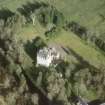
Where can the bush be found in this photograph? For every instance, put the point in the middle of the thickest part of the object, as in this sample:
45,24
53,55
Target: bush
49,14
77,29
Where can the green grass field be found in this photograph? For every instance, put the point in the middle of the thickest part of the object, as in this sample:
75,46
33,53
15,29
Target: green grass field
85,12
88,53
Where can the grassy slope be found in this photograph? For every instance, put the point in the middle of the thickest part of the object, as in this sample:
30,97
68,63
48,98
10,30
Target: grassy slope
12,4
85,12
88,53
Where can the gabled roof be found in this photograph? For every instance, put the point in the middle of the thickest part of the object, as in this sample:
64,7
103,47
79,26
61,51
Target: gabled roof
43,53
47,52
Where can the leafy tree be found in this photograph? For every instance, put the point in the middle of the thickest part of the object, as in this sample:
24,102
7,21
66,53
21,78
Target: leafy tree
10,48
77,29
47,15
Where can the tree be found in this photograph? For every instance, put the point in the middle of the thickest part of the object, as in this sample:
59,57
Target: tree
10,47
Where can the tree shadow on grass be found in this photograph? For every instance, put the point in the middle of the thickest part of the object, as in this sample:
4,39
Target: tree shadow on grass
5,13
84,63
32,47
29,7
